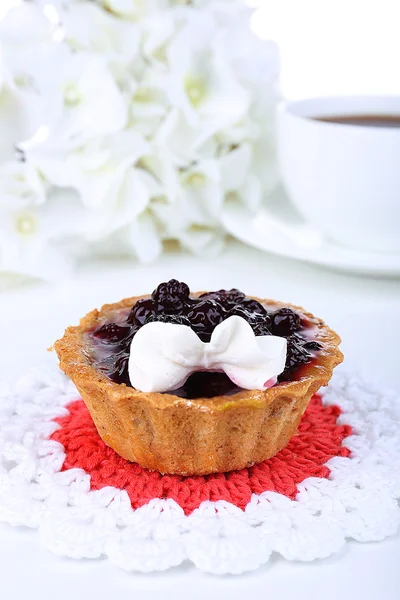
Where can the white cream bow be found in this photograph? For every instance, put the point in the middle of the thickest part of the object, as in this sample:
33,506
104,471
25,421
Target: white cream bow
163,355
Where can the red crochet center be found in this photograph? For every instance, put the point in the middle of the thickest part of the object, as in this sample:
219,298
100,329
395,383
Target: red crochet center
318,439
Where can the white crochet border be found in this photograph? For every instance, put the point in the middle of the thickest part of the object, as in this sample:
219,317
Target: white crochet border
358,501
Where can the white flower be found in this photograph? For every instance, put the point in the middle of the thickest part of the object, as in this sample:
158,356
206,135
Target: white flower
32,233
18,114
199,198
21,180
255,63
158,162
91,29
201,82
15,120
133,9
193,216
93,168
183,142
202,193
127,199
106,174
26,24
141,238
239,182
81,95
149,107
27,37
232,5
151,113
157,33
193,231
203,241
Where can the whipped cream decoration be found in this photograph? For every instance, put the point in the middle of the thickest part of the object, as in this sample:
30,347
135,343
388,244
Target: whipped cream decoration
164,355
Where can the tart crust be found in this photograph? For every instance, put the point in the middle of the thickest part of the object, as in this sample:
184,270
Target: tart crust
175,435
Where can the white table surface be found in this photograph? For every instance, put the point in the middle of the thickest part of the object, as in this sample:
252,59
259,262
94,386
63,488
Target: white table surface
365,311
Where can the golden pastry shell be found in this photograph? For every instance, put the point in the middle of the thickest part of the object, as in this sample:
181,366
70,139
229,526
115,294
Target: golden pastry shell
170,434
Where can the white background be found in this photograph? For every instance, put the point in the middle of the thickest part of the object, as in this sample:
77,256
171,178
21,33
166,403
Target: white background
334,46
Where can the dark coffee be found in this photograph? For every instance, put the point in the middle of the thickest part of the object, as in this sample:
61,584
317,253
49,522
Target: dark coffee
363,120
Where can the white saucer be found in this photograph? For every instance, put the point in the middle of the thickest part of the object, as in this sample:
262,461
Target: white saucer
281,231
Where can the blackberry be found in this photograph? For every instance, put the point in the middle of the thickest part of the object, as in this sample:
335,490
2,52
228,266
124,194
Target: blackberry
259,323
204,316
296,356
253,306
141,312
284,322
238,311
226,298
261,326
171,297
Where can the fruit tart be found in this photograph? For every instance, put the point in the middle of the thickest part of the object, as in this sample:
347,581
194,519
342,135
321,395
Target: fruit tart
197,383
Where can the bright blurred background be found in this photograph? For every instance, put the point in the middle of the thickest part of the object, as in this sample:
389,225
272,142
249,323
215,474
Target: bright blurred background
358,44
333,46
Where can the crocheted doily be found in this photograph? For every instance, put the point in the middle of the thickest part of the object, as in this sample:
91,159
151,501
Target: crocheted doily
339,478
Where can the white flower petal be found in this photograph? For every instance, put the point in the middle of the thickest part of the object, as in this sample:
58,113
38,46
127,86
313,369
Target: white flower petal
198,201
31,236
226,97
133,9
202,83
164,172
21,184
94,168
140,239
157,34
82,96
127,199
202,192
18,116
88,27
173,218
202,241
25,22
63,215
144,237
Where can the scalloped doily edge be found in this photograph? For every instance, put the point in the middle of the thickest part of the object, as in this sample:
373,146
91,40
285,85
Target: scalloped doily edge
359,501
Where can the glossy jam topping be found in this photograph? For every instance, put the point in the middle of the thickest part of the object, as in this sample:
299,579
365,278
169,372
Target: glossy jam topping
171,302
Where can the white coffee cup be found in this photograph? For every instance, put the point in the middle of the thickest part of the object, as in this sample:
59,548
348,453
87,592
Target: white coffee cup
344,179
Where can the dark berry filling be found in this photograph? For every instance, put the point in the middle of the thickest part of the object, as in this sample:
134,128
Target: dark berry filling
174,319
207,385
171,303
171,298
142,311
204,315
284,322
